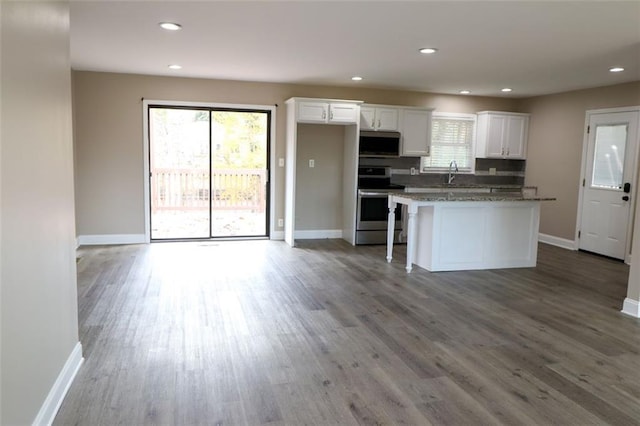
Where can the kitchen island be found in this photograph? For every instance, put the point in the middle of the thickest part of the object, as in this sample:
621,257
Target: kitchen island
452,231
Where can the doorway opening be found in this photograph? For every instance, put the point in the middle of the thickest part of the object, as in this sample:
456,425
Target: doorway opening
208,172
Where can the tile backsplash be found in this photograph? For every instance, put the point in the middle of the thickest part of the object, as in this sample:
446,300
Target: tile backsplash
508,172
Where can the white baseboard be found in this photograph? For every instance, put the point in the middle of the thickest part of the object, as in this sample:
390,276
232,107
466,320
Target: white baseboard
277,235
557,241
108,239
318,234
631,307
58,391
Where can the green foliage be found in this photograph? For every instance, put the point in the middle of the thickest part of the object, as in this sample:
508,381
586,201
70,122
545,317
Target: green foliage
181,139
239,140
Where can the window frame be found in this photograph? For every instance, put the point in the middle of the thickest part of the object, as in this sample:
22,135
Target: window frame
452,115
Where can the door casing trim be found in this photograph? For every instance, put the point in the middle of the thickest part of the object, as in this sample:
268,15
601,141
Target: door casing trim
146,141
634,178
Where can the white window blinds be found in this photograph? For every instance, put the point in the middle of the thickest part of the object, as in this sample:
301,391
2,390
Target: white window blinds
452,137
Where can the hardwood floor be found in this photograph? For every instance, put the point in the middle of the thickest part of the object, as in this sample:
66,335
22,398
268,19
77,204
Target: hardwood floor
256,332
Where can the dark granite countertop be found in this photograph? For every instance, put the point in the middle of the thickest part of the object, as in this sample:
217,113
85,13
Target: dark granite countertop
471,196
466,185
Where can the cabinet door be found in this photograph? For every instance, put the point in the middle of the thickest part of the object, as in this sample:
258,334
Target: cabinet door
386,119
313,112
416,133
516,137
367,118
495,136
343,113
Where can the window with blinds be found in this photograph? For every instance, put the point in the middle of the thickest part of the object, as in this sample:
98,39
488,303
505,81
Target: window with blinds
452,138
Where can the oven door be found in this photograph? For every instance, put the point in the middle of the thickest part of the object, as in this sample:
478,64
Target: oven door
373,212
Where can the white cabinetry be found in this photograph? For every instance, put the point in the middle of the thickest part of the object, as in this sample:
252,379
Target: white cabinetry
300,135
466,235
502,135
311,111
415,128
378,118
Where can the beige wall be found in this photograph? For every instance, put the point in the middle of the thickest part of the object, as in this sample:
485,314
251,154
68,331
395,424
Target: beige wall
554,158
108,133
38,268
319,189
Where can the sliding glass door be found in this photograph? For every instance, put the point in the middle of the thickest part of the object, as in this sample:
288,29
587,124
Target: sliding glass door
208,172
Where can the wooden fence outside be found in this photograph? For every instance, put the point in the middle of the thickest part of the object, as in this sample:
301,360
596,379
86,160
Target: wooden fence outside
188,189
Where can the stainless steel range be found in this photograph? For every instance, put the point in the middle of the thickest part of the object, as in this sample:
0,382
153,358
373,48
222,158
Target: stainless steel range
374,184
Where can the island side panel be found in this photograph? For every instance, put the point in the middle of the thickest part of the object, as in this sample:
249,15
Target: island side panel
513,235
456,236
461,236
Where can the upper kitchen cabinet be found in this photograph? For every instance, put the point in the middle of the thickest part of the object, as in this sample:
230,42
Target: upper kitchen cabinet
327,112
502,135
378,117
415,128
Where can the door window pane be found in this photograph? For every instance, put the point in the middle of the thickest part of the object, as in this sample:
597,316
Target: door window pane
608,159
179,163
239,173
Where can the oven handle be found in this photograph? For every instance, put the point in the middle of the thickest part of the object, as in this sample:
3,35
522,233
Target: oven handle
378,194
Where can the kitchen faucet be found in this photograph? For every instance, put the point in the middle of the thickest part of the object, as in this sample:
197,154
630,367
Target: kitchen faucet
452,176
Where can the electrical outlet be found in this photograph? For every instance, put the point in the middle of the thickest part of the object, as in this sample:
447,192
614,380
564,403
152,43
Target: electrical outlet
281,162
280,223
492,171
414,171
312,163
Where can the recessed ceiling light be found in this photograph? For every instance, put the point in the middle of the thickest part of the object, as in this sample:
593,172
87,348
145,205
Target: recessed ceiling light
506,89
616,69
175,66
465,92
428,50
170,26
356,78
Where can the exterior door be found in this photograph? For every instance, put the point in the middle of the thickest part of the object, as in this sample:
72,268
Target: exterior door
607,185
208,172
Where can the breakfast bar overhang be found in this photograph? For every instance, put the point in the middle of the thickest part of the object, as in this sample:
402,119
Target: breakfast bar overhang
454,231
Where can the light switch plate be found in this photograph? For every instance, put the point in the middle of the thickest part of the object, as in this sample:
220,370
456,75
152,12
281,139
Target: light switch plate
312,163
492,171
281,162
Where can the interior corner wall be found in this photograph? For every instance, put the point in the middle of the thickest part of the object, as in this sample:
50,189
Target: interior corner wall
633,284
108,136
39,316
554,153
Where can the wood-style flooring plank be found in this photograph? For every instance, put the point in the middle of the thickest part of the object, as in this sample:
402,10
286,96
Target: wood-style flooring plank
256,332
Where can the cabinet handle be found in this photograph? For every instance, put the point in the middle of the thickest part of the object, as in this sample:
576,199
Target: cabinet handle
507,152
502,151
331,115
378,123
324,115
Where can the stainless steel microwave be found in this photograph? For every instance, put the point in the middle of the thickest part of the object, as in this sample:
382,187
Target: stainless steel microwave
379,144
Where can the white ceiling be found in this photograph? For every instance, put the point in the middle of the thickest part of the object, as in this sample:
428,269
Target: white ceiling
533,47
